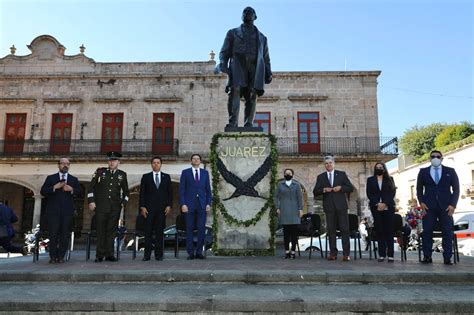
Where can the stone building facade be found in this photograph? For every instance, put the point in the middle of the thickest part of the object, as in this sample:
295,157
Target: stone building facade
53,105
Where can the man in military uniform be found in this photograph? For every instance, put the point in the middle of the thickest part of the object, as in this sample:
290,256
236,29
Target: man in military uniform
108,193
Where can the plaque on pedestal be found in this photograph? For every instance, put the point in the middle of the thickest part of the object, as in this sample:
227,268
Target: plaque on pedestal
243,182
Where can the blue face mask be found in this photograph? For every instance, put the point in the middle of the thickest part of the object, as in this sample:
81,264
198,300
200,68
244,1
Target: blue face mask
435,162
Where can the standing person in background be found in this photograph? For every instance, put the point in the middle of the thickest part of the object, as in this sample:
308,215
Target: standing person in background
156,198
289,206
437,190
380,190
195,199
334,186
363,230
108,193
59,190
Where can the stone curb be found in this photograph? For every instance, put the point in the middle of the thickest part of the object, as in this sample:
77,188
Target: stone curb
368,305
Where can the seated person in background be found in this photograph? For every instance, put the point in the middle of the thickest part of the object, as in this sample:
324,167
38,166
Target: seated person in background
7,217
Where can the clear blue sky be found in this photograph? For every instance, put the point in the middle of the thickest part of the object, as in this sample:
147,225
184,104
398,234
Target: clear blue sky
423,48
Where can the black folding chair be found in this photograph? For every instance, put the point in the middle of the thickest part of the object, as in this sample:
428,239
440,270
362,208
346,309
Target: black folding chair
400,234
140,226
312,230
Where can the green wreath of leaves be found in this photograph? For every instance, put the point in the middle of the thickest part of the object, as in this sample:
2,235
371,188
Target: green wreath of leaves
218,206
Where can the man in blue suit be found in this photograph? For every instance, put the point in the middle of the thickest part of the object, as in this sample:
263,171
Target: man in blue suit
195,200
437,190
59,190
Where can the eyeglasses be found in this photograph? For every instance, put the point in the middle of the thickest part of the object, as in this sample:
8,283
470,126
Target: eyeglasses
436,156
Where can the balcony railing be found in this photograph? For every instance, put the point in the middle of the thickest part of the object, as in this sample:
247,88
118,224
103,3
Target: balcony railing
130,147
339,146
147,147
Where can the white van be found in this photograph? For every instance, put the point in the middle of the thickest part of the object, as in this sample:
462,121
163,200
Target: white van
464,225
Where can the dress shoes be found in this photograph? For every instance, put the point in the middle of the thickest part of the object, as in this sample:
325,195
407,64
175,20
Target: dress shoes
99,259
146,259
332,257
346,258
110,258
390,259
200,256
381,259
60,260
287,255
427,260
190,257
159,258
448,262
52,261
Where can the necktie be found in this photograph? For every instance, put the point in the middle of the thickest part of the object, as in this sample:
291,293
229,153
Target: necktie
157,180
330,179
63,177
196,177
436,175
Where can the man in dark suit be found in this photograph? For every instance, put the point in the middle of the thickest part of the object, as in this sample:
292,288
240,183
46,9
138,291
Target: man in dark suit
334,185
195,199
244,57
59,190
156,198
108,194
437,190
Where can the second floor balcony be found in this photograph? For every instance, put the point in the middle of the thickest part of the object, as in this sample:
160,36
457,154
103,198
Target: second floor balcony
139,148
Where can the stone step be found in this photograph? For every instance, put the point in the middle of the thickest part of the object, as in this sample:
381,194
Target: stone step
147,298
239,276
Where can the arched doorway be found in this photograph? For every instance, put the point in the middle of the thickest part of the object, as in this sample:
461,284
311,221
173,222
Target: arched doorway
21,200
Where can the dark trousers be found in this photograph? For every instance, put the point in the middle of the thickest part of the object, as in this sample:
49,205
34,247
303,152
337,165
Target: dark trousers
59,227
383,223
290,234
338,218
446,224
7,245
155,223
195,219
107,223
246,91
233,106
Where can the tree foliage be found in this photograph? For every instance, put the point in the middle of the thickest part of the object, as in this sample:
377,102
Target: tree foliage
418,140
453,133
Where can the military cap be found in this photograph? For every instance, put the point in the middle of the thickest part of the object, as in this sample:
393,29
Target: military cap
113,155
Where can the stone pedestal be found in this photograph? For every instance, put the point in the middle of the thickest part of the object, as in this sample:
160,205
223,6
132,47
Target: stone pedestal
243,181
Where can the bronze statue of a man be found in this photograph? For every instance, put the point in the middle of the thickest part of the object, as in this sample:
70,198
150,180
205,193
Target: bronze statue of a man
244,57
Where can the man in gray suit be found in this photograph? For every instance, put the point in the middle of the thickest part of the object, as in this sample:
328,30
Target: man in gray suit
334,185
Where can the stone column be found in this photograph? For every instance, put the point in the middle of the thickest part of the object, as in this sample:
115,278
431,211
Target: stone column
37,210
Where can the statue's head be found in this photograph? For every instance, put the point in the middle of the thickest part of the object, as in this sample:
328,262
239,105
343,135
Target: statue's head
249,15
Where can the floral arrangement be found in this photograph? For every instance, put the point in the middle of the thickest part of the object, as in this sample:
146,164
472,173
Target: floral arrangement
414,218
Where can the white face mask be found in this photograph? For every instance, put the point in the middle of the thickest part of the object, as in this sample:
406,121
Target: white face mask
435,162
